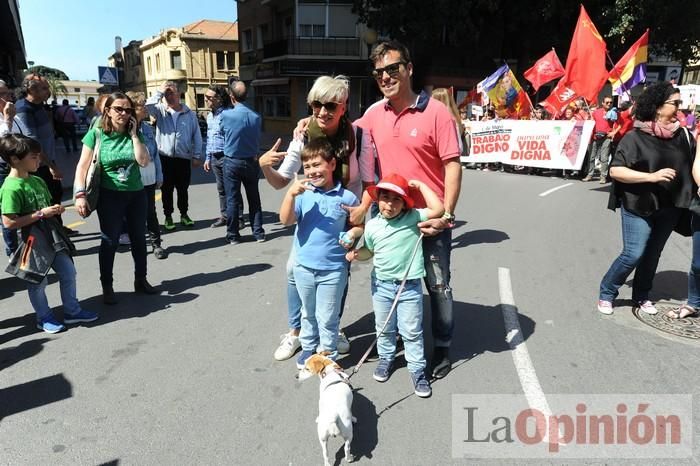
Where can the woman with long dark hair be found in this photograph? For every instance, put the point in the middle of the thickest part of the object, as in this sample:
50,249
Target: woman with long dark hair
652,172
121,152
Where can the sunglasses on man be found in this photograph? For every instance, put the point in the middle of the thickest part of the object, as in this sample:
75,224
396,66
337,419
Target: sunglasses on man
392,70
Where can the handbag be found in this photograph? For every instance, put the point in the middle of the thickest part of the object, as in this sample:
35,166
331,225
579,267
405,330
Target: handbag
684,225
93,176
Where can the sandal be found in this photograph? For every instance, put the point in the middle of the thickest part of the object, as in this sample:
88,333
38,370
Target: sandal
682,312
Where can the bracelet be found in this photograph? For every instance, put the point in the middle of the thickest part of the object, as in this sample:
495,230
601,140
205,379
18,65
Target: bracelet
80,195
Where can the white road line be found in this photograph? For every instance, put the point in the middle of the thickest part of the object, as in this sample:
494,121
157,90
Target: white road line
514,337
550,191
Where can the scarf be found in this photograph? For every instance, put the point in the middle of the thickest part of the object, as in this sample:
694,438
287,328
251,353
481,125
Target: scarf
660,130
343,144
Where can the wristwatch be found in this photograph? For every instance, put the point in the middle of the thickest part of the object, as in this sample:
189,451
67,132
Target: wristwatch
450,218
39,214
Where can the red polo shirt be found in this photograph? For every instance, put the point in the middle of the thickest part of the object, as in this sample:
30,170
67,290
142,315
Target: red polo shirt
414,143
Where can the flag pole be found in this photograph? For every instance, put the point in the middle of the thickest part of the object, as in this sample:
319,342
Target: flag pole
619,76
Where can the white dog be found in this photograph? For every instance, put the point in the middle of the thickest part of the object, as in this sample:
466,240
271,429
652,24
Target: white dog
334,403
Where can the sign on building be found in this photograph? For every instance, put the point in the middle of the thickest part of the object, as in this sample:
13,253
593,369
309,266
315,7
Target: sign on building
108,75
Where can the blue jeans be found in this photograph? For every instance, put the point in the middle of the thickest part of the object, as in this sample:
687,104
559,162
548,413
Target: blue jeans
112,208
9,237
643,239
436,257
63,266
694,274
321,292
244,172
293,299
408,318
217,166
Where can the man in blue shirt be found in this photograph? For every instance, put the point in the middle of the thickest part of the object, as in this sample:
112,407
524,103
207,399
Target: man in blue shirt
241,127
217,100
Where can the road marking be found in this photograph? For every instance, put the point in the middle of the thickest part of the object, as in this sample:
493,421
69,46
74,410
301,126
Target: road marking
75,224
550,191
158,196
521,357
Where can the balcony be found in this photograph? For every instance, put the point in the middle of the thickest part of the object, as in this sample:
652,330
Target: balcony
328,47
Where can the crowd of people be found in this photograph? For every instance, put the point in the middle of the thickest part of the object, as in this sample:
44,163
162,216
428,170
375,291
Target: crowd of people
399,163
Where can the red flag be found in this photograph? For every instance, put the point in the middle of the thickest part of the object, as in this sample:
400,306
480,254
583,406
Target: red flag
585,66
544,70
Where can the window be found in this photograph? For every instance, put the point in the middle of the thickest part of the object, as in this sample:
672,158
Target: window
262,35
225,60
273,101
157,63
312,30
200,100
148,65
76,89
247,40
175,60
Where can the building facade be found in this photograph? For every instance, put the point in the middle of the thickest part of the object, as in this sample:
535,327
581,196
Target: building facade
78,92
12,54
286,44
196,55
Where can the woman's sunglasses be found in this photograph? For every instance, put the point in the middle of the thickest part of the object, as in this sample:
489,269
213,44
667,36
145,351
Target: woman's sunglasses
676,103
122,109
330,107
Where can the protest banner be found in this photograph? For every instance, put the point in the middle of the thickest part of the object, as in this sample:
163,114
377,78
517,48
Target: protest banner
556,144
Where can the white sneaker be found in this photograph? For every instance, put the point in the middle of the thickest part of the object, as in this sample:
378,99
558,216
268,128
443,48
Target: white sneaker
289,344
343,345
124,239
605,307
648,307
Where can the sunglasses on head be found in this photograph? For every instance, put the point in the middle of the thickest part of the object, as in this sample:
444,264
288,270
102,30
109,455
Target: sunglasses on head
122,109
329,106
676,103
392,70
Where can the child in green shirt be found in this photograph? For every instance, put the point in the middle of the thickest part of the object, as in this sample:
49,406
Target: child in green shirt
390,238
25,199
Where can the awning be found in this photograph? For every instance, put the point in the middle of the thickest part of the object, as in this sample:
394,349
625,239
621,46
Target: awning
269,82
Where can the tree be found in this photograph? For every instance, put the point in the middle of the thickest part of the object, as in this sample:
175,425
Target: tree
54,77
48,71
479,32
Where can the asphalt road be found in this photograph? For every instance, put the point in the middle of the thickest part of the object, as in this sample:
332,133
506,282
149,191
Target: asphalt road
188,377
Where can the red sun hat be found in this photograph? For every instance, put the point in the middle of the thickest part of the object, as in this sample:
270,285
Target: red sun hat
396,184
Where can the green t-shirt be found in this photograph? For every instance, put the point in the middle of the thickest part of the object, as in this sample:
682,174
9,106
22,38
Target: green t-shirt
392,242
120,172
22,196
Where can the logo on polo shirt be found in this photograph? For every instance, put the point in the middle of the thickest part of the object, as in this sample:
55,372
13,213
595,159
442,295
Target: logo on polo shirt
414,132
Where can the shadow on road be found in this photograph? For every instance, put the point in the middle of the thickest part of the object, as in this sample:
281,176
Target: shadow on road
40,392
178,285
668,285
25,350
365,436
473,237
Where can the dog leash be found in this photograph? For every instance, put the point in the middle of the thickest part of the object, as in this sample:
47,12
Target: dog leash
391,312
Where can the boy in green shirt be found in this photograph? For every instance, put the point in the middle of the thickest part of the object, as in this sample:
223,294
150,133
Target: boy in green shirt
390,238
25,199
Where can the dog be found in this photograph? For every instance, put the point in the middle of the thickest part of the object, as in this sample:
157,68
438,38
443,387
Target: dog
334,403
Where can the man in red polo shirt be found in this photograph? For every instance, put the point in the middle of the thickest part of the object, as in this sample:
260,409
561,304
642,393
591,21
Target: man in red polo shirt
415,136
602,138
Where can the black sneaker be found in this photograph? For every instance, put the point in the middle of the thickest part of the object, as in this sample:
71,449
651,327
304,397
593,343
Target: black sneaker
383,370
220,222
159,252
441,362
142,286
421,385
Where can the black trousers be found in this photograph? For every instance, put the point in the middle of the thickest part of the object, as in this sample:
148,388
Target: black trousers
176,177
152,225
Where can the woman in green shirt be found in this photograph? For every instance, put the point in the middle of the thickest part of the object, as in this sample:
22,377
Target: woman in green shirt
122,196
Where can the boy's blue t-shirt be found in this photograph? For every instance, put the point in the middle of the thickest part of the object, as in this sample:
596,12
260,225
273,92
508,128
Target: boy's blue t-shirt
320,220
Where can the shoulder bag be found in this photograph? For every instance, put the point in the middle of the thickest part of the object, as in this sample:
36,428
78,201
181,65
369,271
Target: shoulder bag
93,176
